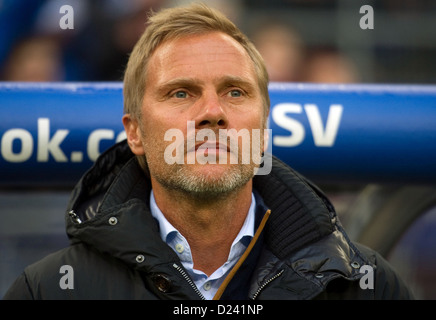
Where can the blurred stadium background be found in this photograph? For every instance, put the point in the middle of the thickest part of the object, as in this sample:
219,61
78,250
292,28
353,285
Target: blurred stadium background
314,41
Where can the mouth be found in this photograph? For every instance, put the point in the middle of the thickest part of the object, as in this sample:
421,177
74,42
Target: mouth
210,147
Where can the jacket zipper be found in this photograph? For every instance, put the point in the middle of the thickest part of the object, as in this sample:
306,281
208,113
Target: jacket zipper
188,279
266,283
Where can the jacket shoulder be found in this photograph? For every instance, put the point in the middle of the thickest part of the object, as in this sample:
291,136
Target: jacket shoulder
76,272
19,290
388,285
40,275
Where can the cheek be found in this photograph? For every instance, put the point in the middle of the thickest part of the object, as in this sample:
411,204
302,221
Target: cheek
155,140
259,136
253,121
152,138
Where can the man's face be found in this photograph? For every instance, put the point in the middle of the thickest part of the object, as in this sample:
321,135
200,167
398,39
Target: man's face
210,81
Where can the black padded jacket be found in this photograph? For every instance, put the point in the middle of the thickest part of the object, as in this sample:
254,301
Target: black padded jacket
300,250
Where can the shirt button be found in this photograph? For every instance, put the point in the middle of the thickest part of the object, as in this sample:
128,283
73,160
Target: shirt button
207,286
179,248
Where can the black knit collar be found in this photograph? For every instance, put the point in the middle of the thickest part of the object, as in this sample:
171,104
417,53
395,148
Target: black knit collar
300,214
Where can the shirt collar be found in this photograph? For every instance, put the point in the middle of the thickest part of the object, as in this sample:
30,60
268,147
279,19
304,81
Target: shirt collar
166,228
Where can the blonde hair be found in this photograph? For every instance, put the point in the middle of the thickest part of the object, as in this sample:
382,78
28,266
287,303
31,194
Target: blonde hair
174,23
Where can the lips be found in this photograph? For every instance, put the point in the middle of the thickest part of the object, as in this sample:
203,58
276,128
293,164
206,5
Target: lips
209,146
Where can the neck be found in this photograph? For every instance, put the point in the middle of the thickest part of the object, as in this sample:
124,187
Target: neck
209,224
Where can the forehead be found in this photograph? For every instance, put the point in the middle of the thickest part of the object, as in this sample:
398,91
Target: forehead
206,55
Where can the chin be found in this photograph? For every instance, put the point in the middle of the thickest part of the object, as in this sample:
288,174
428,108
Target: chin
205,181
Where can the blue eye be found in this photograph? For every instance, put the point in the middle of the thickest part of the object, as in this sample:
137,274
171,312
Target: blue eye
235,93
180,94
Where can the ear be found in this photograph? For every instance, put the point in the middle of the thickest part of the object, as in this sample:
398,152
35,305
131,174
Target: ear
133,133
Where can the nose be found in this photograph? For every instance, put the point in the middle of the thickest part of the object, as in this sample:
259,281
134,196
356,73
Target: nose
211,113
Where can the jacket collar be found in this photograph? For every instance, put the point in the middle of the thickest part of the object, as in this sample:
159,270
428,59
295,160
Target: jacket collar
300,214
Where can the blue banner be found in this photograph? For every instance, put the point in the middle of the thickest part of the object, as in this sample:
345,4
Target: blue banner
356,133
51,133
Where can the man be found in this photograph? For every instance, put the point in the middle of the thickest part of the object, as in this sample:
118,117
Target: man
145,227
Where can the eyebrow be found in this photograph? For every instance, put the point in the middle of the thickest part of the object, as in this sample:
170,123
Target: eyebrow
178,83
187,82
236,81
